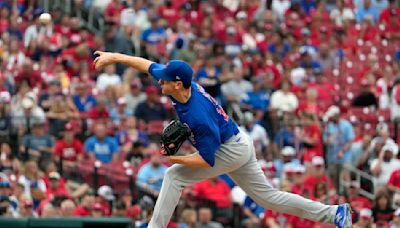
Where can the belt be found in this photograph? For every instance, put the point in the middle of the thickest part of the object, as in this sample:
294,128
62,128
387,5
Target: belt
234,136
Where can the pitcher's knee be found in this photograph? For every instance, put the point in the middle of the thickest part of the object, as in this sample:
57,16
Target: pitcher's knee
173,172
170,173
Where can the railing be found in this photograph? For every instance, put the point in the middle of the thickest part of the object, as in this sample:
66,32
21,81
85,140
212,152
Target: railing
65,5
358,175
74,222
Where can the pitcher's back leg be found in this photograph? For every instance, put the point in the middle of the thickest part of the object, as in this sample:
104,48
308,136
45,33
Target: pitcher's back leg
252,180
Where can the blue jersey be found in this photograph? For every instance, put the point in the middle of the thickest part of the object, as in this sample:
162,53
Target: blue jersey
209,123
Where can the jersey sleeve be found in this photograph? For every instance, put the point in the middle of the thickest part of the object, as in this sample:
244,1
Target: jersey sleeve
207,141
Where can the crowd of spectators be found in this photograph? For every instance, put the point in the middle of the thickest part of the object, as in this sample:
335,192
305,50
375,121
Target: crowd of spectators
315,83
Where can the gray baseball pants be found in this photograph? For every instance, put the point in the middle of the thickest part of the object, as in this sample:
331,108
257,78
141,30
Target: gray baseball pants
236,157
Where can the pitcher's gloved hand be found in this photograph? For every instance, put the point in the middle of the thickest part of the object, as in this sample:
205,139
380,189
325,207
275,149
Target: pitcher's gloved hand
173,136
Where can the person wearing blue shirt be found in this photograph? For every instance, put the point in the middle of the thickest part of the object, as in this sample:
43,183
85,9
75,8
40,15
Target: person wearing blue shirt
150,176
307,61
397,55
285,136
100,146
121,112
338,135
82,99
378,4
258,99
208,77
279,47
367,10
155,34
308,5
288,159
253,212
221,148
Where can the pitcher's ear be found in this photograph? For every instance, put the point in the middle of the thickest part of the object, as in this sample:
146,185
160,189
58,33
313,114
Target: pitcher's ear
178,85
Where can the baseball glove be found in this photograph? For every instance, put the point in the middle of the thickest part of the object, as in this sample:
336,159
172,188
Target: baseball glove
173,137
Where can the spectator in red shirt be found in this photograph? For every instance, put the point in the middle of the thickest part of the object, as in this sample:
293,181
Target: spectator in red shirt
69,148
214,190
310,104
274,218
86,205
54,186
217,192
51,168
63,28
4,16
368,31
312,137
100,111
392,27
193,13
365,219
317,175
356,200
28,74
296,222
113,11
325,89
169,12
105,196
298,180
385,14
97,210
394,181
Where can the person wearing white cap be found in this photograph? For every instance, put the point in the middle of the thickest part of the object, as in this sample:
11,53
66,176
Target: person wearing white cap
383,136
287,159
338,136
316,175
383,166
256,132
120,112
365,219
41,27
396,219
298,180
106,195
30,114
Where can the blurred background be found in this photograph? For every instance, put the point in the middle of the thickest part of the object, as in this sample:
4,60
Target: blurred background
314,82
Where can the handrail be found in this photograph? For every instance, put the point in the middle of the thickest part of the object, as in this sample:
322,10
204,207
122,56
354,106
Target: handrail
359,174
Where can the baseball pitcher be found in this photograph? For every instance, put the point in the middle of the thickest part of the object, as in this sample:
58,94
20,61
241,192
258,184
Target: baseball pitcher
221,148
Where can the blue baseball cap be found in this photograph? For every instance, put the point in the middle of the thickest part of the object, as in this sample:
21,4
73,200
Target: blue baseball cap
174,70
